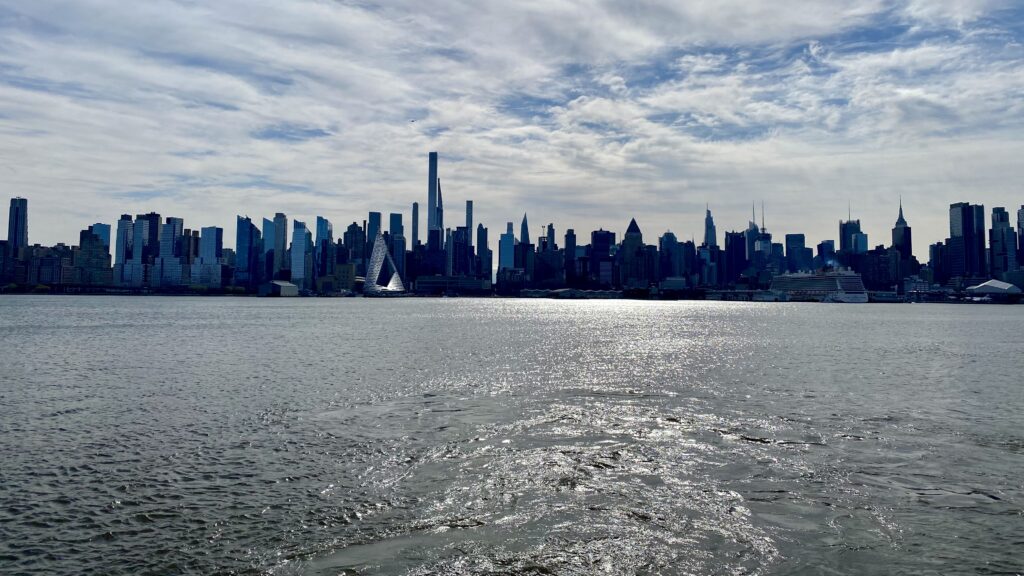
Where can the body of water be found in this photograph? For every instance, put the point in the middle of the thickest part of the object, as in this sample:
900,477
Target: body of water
154,435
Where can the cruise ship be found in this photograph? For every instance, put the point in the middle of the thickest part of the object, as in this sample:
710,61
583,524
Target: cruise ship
841,286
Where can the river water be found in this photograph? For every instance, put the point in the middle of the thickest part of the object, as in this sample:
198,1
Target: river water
152,435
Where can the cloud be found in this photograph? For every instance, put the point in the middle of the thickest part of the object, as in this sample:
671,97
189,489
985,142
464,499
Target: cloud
586,111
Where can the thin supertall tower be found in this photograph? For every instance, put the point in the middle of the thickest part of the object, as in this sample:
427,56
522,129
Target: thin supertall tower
432,223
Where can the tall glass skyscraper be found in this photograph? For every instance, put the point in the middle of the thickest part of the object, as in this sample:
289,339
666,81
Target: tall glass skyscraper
432,223
17,226
966,240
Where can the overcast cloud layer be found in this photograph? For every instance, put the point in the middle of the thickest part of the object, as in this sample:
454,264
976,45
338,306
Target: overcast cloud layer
582,113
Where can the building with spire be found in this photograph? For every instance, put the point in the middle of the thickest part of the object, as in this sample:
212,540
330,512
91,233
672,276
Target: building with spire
901,237
710,233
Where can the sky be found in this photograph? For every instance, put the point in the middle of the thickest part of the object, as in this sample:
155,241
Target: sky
582,113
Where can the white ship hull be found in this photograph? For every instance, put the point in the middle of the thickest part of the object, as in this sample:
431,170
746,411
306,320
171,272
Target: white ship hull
846,298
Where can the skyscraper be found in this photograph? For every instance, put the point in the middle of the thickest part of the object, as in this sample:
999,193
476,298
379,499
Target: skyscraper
1002,243
847,240
432,223
207,268
123,241
102,231
549,238
439,208
966,240
484,254
710,234
506,249
17,227
169,266
415,224
524,231
280,244
396,237
395,225
211,244
324,255
901,237
798,255
570,255
92,259
248,252
151,243
735,256
373,228
301,255
600,265
469,223
1020,235
751,234
630,255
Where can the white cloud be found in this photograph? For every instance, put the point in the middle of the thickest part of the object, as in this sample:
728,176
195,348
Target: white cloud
585,111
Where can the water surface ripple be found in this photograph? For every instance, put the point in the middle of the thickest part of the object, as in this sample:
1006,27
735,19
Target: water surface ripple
458,436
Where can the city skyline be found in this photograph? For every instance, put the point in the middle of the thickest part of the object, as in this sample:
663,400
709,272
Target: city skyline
154,252
578,113
709,229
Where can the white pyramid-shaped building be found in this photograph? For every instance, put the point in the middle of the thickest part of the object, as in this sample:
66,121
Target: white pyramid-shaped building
378,258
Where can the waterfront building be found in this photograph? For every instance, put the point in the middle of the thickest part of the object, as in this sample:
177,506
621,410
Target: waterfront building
207,268
1002,244
92,258
248,253
302,255
123,238
17,227
168,264
382,276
